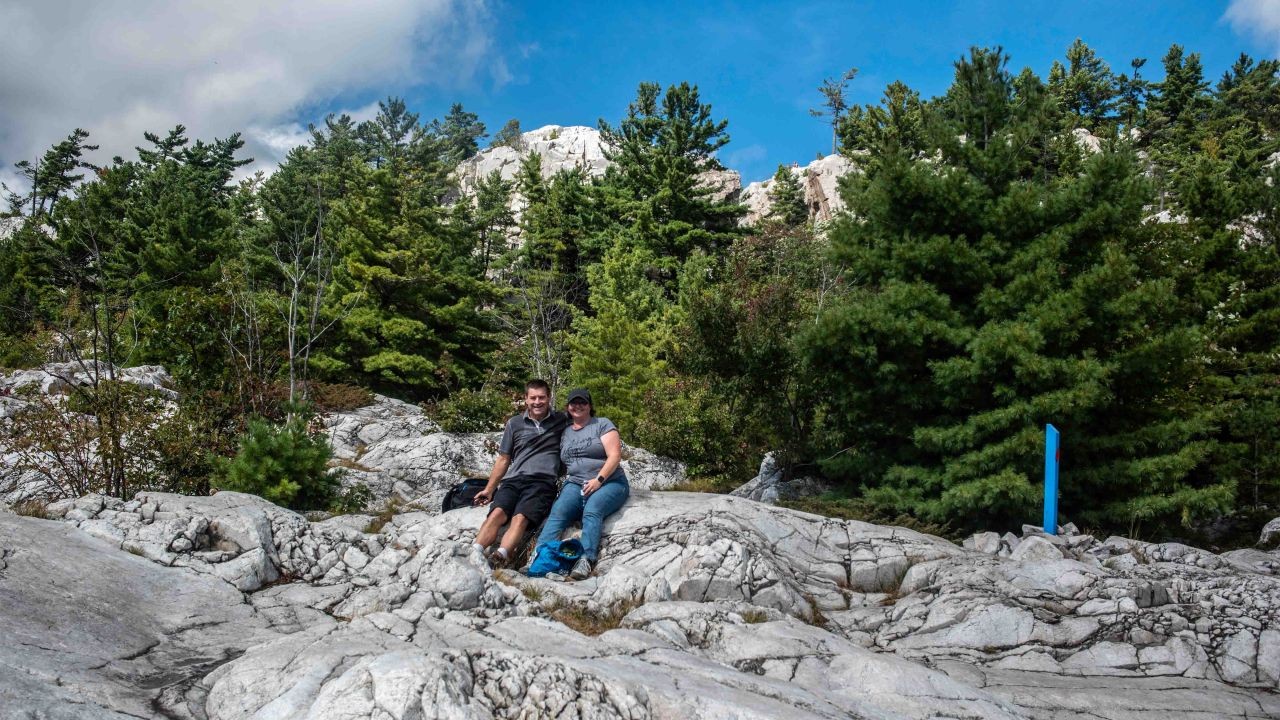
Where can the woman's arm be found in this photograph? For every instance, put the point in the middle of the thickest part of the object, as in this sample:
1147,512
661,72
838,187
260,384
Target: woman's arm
612,443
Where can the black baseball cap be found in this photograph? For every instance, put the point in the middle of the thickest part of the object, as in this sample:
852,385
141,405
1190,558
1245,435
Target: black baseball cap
582,394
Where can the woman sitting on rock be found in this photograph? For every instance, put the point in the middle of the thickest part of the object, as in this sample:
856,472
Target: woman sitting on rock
595,485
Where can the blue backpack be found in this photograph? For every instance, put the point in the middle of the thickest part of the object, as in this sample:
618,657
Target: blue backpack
555,556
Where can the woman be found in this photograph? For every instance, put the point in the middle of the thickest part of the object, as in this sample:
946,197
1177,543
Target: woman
595,485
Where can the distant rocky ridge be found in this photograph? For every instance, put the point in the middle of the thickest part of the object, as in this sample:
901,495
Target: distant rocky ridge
566,148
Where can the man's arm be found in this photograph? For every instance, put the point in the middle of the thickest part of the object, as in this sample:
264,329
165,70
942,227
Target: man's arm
495,476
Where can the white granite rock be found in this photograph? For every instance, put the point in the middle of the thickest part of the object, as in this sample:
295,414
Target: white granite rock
1269,538
399,453
820,180
769,487
719,607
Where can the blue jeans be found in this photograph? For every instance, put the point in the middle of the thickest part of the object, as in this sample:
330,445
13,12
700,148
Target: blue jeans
570,507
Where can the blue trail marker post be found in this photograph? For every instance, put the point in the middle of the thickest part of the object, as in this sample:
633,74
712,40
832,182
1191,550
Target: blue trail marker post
1051,458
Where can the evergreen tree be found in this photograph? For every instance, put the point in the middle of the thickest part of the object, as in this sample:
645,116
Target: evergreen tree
54,176
386,138
835,102
408,290
178,228
1133,93
619,350
787,198
897,122
509,136
461,133
494,219
1085,88
994,295
284,464
659,150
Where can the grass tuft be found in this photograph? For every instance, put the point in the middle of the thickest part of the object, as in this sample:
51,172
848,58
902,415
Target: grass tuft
32,507
815,617
390,510
578,617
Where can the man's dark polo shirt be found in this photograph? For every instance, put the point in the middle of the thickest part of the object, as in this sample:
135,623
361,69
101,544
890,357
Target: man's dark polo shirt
534,447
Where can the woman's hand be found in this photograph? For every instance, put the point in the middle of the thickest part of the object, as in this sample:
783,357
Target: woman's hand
591,486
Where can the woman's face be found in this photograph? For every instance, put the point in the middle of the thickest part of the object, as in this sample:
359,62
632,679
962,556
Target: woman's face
579,410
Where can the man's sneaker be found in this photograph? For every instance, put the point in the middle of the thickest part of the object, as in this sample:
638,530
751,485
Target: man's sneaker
499,558
581,569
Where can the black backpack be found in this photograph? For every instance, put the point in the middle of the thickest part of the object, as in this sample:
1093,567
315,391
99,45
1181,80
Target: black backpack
463,494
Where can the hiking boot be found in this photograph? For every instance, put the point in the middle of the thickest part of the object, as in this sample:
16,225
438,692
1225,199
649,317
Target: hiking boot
581,569
499,558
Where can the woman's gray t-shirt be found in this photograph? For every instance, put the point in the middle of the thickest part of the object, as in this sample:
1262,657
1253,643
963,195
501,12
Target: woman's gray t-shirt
582,452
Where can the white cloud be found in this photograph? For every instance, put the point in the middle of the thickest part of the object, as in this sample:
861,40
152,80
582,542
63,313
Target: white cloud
121,67
745,156
1259,19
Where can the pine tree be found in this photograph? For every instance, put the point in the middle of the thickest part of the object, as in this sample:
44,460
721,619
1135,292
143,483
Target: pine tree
1133,93
787,198
1085,88
386,138
835,102
994,294
409,289
494,219
54,176
461,132
619,350
897,122
659,149
509,136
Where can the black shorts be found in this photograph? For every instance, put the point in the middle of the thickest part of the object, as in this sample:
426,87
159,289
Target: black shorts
530,497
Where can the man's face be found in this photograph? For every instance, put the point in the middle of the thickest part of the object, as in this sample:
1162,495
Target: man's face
537,402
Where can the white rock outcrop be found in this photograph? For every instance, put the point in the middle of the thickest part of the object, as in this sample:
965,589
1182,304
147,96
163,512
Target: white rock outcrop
702,606
561,148
820,181
566,148
390,446
399,453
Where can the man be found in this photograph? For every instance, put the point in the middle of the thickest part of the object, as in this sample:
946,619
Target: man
527,467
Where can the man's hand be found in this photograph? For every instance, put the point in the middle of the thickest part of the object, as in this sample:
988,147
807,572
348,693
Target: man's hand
485,496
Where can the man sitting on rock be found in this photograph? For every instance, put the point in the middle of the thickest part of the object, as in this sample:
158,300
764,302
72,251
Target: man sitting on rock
527,467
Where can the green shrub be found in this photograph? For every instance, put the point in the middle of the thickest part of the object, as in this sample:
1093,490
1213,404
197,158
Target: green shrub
23,351
351,499
185,446
285,464
685,420
470,411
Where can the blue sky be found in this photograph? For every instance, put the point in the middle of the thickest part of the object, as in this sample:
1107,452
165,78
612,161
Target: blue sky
759,64
122,67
